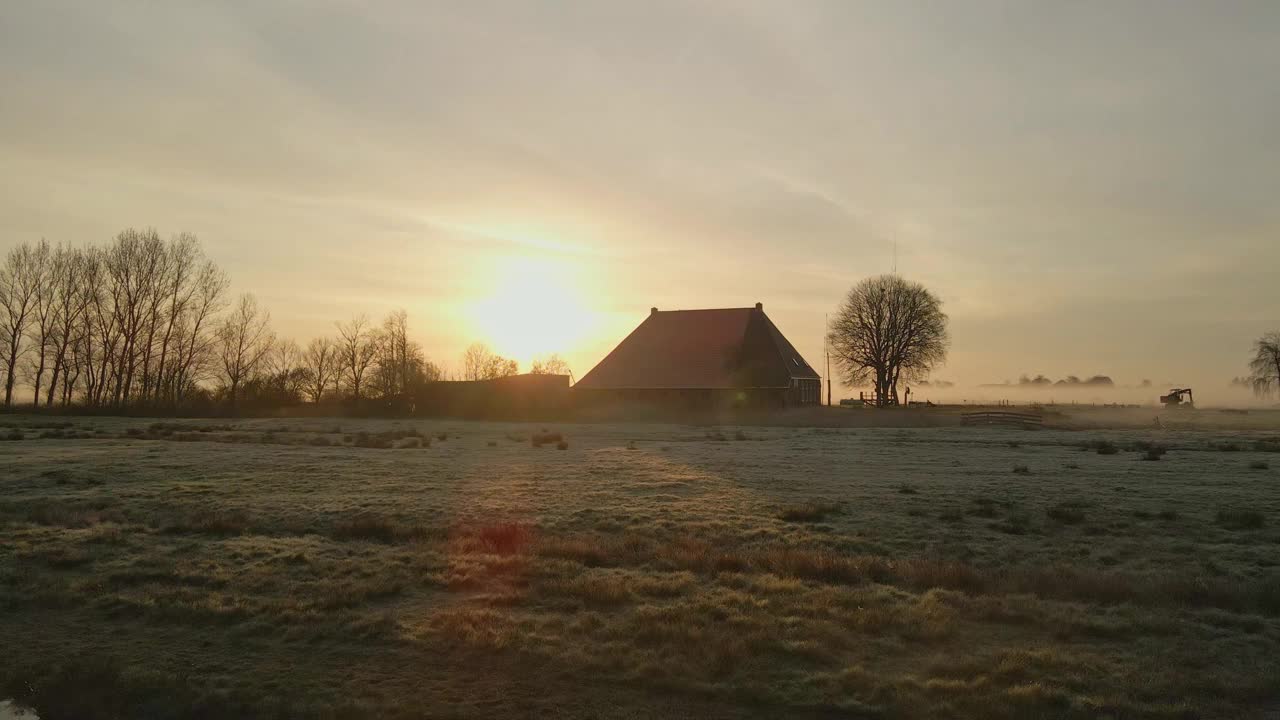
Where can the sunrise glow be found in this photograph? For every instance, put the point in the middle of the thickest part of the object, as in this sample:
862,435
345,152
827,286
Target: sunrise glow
532,307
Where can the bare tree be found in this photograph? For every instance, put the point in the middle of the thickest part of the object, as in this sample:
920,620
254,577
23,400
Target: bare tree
133,263
1264,368
475,361
19,287
285,372
321,362
156,270
194,345
71,294
96,346
42,315
180,285
401,366
481,363
397,356
551,365
244,339
888,329
357,348
430,372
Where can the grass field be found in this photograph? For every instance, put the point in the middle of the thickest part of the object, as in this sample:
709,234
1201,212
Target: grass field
346,568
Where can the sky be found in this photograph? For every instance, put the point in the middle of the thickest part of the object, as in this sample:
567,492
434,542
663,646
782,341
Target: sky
1090,187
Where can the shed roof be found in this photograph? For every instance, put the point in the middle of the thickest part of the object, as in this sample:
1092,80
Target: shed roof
701,349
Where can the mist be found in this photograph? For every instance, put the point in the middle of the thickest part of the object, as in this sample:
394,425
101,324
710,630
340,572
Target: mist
1208,393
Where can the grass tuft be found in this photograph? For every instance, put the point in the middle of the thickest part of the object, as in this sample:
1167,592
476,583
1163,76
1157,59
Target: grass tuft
366,440
589,551
545,438
1105,447
1240,519
1065,513
599,590
504,538
824,565
808,512
1016,523
373,528
218,522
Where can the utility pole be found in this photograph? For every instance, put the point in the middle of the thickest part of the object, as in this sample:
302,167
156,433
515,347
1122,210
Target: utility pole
826,347
828,378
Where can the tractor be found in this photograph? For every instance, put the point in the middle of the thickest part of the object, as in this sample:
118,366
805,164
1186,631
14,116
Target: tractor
1175,398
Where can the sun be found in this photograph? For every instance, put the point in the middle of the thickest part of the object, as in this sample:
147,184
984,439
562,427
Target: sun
532,307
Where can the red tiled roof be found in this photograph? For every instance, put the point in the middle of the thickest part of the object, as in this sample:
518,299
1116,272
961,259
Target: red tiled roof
704,349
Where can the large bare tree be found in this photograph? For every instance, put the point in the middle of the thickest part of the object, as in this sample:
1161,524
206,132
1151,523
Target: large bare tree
321,363
179,287
398,356
1264,368
134,266
194,344
244,339
71,300
20,281
43,321
357,348
401,366
887,330
285,371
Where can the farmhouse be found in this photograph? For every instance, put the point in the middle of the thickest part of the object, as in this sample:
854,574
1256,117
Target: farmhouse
702,358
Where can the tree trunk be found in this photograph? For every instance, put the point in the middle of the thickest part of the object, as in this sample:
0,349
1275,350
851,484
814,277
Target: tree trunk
35,402
53,382
12,361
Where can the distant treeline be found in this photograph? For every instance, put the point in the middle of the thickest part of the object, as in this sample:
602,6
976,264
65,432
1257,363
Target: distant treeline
142,324
1026,381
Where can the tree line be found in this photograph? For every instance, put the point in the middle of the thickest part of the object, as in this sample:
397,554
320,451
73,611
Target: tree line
147,323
